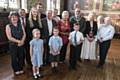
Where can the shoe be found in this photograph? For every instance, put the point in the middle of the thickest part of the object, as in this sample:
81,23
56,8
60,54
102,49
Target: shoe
35,76
99,66
21,72
17,73
74,68
53,69
56,70
79,60
40,76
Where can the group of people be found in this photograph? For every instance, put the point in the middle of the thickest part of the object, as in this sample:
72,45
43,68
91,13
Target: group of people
43,38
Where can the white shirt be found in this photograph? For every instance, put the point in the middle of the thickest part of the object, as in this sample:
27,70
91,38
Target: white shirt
106,32
91,24
50,26
100,25
79,37
22,21
55,44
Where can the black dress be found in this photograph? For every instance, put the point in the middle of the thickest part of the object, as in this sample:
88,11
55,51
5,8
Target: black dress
17,52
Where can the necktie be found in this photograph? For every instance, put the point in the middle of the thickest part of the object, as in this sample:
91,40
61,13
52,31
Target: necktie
23,23
75,38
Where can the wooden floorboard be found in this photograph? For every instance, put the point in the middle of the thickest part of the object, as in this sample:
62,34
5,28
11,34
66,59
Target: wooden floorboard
85,70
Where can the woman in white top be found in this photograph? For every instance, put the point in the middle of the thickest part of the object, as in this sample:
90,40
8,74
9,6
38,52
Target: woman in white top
89,45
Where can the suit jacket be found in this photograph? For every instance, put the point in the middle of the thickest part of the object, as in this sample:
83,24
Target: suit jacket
45,28
27,29
88,28
42,16
81,21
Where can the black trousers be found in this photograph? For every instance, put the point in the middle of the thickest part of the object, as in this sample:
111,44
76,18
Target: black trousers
46,55
74,55
104,47
63,52
27,53
17,57
79,54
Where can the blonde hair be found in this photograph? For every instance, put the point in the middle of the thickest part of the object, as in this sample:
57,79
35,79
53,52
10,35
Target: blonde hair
64,13
38,17
91,14
35,30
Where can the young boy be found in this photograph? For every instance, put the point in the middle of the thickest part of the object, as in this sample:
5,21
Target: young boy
75,38
55,44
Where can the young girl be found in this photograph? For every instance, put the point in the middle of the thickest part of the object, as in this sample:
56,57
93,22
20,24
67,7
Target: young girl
36,52
55,44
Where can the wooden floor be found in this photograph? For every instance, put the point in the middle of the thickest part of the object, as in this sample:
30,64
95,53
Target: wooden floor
85,71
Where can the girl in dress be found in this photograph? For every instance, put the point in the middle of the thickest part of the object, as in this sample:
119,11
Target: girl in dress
36,52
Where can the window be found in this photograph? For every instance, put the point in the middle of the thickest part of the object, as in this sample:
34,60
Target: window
9,4
53,4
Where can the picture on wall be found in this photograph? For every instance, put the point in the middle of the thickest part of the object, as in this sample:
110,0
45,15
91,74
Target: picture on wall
111,5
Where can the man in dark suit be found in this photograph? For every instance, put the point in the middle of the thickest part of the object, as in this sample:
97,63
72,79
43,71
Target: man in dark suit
23,19
39,7
81,21
48,23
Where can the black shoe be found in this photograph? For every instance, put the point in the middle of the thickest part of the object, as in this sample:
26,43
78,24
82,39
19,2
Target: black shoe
72,68
53,69
56,70
35,77
79,60
39,76
99,66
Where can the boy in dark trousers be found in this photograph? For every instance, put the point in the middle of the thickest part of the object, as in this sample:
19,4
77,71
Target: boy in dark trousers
76,38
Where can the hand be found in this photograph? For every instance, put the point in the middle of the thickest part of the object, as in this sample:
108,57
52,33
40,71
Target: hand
21,43
101,40
80,42
18,42
66,34
90,39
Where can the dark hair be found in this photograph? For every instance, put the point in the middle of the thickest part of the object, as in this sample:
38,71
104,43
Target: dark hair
22,9
13,13
76,23
39,3
55,9
56,28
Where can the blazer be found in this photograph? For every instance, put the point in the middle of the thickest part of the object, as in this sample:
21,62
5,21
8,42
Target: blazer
45,27
88,28
81,21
